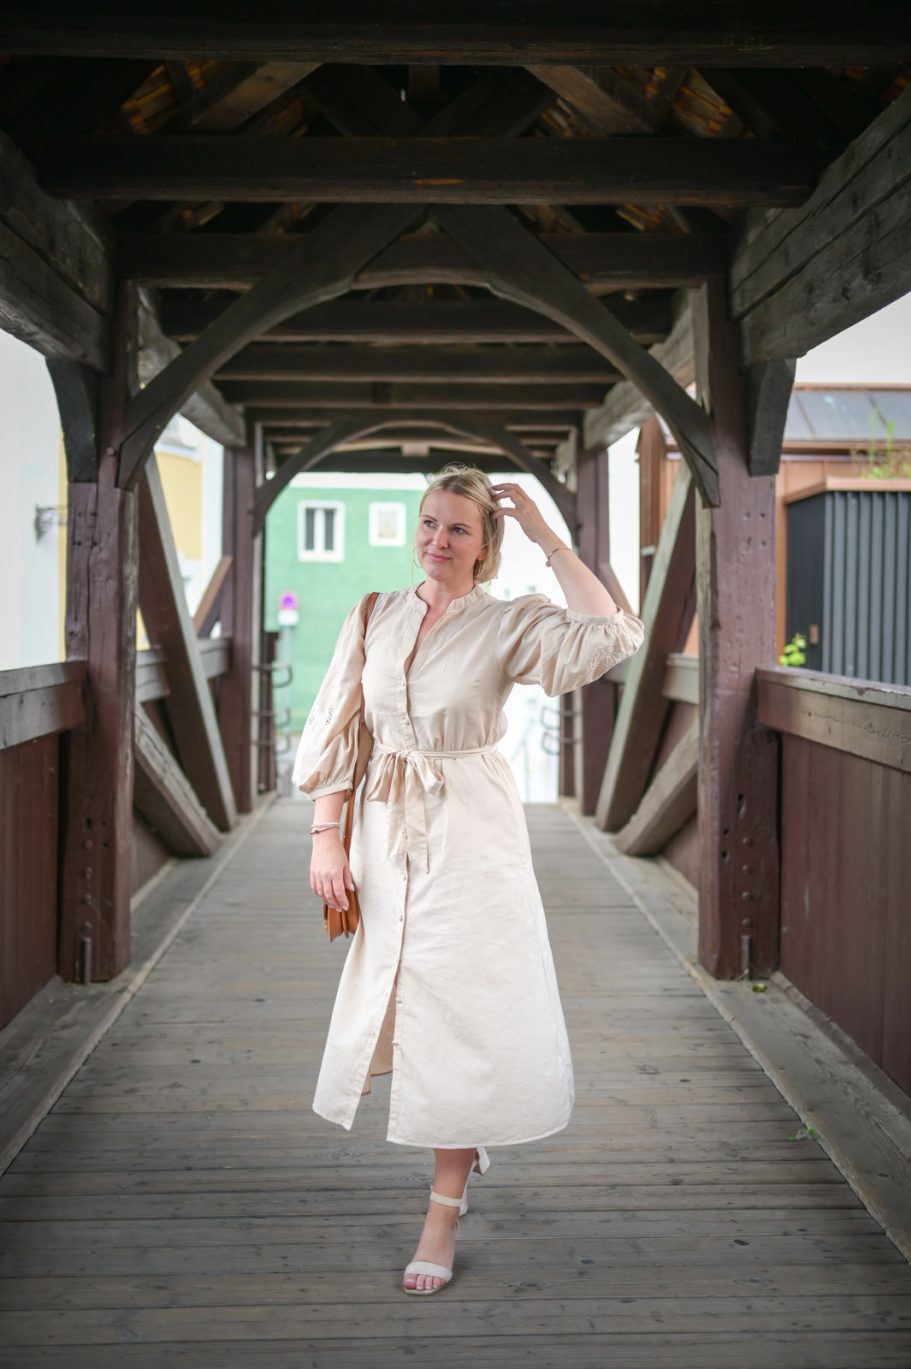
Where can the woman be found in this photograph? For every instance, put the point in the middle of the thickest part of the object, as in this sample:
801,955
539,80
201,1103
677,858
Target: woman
448,983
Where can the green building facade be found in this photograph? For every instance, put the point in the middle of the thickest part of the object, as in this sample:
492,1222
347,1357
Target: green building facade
327,544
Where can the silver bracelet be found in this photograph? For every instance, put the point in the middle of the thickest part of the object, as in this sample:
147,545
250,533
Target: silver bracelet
561,547
325,826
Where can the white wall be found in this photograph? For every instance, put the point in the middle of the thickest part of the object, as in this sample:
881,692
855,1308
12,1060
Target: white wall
623,487
30,456
876,351
533,718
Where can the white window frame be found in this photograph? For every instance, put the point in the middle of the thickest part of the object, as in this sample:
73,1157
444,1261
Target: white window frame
376,507
319,552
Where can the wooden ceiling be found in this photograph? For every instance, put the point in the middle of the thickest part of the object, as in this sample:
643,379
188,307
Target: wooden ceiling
632,148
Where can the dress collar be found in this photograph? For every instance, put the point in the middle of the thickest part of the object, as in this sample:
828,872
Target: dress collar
461,601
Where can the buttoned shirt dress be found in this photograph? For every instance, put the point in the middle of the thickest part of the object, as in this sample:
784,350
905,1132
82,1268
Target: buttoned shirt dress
448,982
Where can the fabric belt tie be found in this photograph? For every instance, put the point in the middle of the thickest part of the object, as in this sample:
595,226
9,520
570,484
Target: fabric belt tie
405,775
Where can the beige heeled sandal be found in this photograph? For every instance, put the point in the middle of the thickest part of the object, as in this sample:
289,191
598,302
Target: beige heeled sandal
481,1166
442,1271
439,1271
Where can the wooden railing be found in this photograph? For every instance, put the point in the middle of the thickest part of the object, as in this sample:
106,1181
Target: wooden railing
39,705
845,830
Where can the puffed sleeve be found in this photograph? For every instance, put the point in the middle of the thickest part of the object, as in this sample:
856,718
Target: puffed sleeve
560,648
327,750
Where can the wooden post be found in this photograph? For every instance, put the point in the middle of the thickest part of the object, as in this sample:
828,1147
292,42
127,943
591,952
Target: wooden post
735,576
595,704
239,693
101,600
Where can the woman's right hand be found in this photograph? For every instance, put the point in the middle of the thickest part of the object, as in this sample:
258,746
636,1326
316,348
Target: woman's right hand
330,873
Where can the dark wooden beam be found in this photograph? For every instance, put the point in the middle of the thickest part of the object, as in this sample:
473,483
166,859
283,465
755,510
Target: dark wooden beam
475,364
168,624
686,171
398,434
330,438
398,395
522,270
668,803
513,447
40,701
769,386
440,323
594,705
632,34
165,798
517,420
396,462
667,614
772,102
206,407
625,406
56,279
310,454
79,98
209,606
858,718
800,276
240,691
223,105
322,267
605,99
604,261
738,767
97,755
77,389
152,673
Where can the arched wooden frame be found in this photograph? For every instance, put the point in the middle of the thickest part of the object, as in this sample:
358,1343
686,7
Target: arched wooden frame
516,265
328,439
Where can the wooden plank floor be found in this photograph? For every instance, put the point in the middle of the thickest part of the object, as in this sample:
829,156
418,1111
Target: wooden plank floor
183,1205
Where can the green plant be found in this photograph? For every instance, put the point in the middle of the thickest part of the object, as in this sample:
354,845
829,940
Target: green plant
883,459
795,651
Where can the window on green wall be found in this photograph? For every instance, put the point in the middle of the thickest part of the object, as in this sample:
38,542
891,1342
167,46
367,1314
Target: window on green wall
320,530
387,524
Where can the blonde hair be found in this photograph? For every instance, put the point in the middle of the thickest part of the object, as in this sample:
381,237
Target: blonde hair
462,478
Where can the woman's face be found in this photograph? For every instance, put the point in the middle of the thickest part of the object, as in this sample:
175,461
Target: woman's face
449,537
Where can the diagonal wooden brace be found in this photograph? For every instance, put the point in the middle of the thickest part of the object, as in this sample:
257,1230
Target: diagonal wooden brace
167,620
522,269
323,265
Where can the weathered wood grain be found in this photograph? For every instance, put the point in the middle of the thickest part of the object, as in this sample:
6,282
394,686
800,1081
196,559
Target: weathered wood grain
800,276
165,797
439,322
667,614
183,1200
634,34
38,701
738,764
191,711
413,170
604,261
668,803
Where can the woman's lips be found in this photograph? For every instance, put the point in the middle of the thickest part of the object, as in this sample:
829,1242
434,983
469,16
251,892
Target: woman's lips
437,558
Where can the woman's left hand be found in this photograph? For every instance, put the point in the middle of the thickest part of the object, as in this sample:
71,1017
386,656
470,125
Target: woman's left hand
526,512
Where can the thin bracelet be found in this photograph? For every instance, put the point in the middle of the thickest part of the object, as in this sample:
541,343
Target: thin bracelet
324,827
561,547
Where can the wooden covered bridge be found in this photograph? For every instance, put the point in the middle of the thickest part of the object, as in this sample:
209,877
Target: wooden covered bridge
512,231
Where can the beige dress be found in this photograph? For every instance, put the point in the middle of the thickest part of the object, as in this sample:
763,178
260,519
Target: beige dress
449,981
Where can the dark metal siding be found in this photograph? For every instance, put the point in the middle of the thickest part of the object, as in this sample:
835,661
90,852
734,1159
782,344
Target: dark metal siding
849,571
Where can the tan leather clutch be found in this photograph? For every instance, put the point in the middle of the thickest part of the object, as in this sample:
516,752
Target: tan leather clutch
345,920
